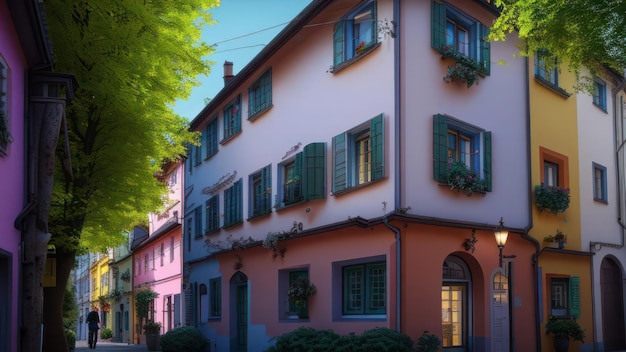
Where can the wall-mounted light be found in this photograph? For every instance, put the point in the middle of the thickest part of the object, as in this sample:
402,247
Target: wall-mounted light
501,234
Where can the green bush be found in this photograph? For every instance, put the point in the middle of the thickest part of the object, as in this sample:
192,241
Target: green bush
106,333
183,339
428,342
375,340
70,337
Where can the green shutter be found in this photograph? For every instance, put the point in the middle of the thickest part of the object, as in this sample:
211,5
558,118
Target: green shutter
238,201
377,138
338,43
486,159
485,48
266,183
574,296
440,147
314,171
340,162
438,26
298,174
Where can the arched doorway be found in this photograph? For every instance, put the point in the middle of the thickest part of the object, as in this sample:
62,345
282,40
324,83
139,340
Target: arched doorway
500,323
612,305
455,305
239,312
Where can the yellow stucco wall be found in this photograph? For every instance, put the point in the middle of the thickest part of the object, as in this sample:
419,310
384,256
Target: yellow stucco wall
553,119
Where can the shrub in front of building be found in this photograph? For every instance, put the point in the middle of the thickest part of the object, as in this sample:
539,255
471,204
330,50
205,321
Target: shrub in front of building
183,339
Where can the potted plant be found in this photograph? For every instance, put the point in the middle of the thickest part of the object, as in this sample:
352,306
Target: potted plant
459,177
152,331
558,240
562,331
465,69
299,292
551,198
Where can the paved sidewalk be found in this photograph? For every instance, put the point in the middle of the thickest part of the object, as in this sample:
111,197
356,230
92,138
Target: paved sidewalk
106,346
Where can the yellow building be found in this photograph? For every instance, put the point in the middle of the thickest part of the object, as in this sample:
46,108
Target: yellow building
563,268
100,283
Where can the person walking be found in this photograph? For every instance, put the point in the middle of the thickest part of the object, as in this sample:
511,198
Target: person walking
93,323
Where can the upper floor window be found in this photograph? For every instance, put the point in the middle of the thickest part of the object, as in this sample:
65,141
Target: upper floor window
546,67
599,93
564,296
260,95
599,183
5,132
355,32
358,155
304,176
210,138
233,204
212,214
456,141
261,192
454,30
232,118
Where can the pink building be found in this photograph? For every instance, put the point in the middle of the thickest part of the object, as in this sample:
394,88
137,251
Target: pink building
157,262
25,66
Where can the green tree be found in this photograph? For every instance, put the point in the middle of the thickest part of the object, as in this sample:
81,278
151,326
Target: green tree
132,60
70,307
587,33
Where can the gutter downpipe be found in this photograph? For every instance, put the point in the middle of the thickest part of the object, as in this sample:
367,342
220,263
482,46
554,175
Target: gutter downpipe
397,155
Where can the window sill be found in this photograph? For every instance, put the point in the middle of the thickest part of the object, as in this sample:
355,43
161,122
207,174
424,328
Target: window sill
290,205
211,232
600,107
210,156
351,318
229,138
259,113
232,225
350,61
600,200
256,217
558,90
447,186
357,187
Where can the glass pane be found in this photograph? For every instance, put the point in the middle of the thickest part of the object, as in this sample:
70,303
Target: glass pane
452,313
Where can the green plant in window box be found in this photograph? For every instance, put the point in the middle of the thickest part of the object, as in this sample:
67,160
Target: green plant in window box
551,198
360,49
299,292
459,177
465,69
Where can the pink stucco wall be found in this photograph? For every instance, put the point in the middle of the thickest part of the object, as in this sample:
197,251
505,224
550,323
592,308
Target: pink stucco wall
12,165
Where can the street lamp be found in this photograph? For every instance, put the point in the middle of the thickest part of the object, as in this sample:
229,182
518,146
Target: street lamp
501,234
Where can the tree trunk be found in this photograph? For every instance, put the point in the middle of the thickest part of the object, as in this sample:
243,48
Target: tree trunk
45,123
54,333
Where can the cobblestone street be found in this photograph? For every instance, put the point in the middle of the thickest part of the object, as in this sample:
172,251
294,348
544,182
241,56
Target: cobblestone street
105,346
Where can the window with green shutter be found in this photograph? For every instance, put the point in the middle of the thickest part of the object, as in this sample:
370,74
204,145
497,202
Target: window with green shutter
451,28
215,297
197,219
355,33
260,95
260,192
455,141
364,289
232,118
358,155
565,296
233,204
210,138
303,177
212,214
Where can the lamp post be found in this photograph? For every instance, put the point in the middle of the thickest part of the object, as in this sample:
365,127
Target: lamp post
501,234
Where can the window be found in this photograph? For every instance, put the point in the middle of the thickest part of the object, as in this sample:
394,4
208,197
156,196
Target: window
232,119
197,155
260,192
162,253
564,296
364,289
146,264
210,138
5,134
451,28
599,183
233,204
189,160
355,33
215,294
137,267
458,141
171,249
212,214
260,95
286,277
197,215
546,67
304,176
358,155
554,168
203,304
295,275
189,232
599,93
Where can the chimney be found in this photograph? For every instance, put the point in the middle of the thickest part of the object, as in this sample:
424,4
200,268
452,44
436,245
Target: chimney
228,72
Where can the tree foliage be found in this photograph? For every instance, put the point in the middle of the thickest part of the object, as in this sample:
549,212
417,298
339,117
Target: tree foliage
132,60
587,33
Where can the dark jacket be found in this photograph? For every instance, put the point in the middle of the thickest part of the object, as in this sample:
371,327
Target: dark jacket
93,319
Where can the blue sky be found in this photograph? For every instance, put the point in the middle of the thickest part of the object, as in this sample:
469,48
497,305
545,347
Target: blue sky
241,31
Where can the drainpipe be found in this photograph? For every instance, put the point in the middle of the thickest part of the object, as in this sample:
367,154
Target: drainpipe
397,159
